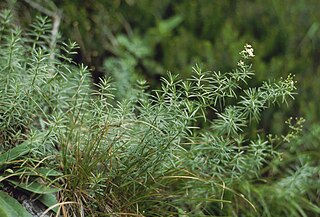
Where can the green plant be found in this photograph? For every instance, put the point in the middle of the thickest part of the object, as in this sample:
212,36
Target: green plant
22,113
287,186
145,155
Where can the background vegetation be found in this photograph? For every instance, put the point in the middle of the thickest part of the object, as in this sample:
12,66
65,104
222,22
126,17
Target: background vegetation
130,40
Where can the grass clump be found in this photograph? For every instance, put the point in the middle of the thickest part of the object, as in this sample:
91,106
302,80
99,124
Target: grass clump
149,154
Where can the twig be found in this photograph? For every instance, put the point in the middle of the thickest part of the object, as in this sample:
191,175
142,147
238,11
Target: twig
40,8
55,30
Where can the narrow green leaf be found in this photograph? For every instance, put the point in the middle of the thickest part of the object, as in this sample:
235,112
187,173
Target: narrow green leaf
49,200
38,172
35,187
14,153
43,172
10,207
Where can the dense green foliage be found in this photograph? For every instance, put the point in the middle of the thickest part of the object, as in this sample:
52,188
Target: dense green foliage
191,148
148,38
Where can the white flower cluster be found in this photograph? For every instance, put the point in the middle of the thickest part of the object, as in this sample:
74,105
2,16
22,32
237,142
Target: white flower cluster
247,53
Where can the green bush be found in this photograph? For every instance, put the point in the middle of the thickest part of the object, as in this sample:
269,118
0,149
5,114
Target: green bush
150,38
143,155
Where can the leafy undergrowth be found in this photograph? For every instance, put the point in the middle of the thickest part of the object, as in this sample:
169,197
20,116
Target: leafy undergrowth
81,152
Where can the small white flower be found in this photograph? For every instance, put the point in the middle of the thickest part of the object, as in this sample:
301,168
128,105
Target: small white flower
241,63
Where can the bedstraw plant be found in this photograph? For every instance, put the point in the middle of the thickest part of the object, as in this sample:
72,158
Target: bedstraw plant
176,151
